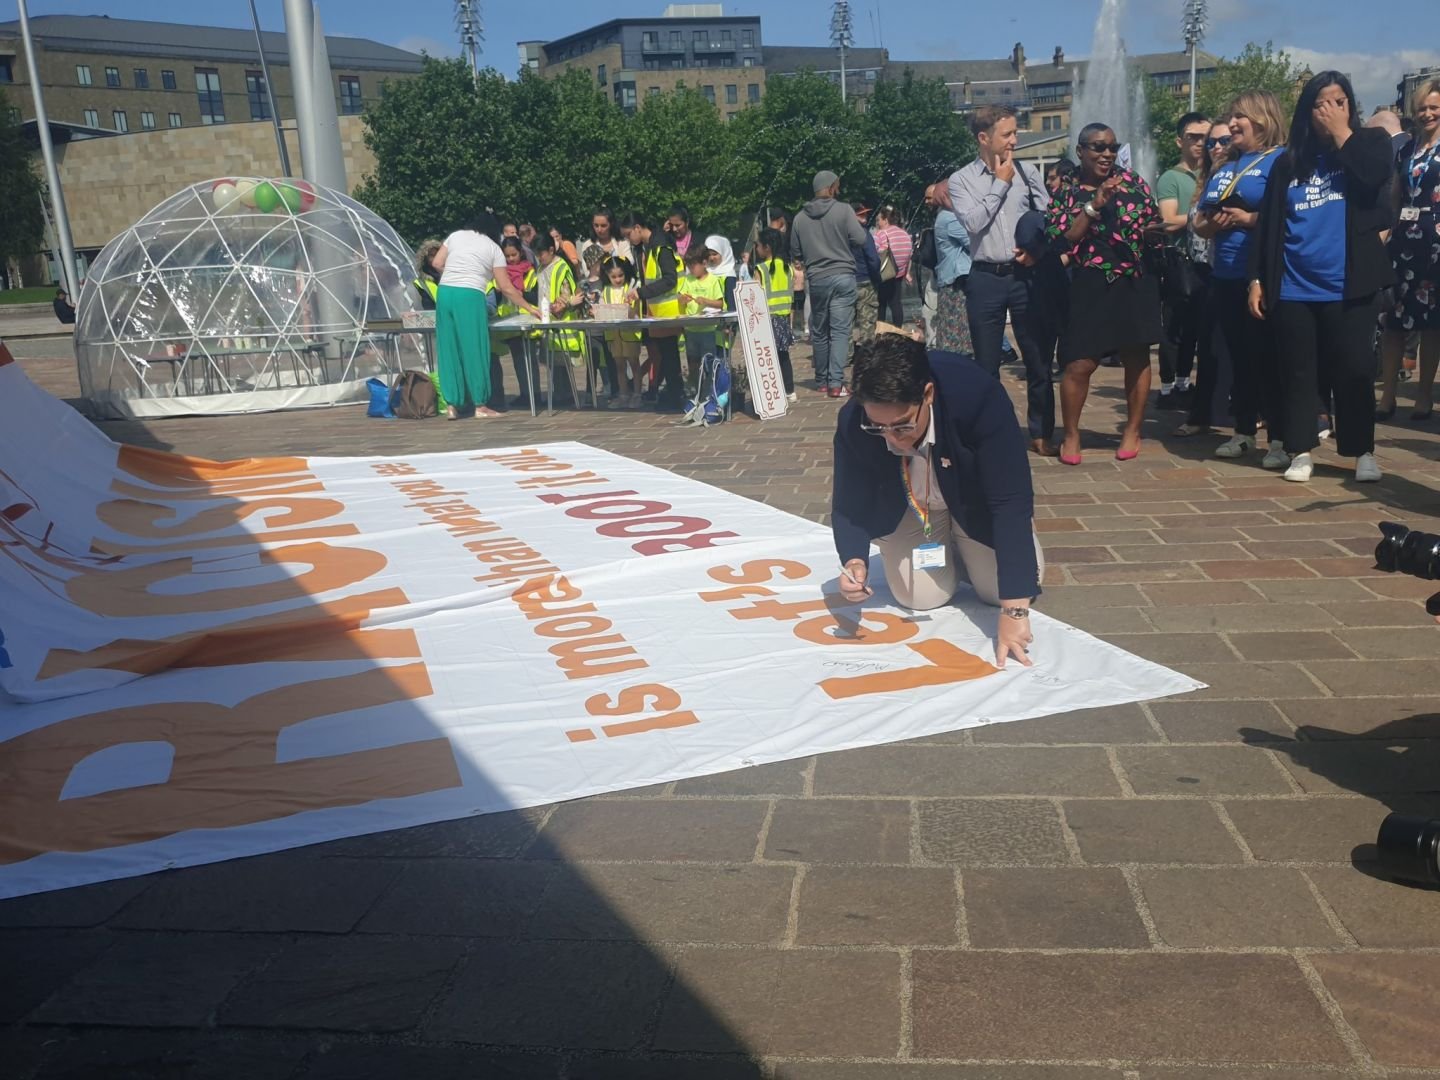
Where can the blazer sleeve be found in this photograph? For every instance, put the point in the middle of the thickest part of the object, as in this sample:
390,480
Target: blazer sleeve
1004,467
847,499
1369,160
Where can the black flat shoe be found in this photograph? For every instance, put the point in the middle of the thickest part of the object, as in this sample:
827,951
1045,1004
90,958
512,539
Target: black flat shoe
1381,415
1419,417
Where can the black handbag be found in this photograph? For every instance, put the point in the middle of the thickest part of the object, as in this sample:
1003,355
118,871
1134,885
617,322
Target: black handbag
1182,278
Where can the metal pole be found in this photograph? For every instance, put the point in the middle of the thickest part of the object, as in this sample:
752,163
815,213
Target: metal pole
270,94
842,72
1194,47
47,151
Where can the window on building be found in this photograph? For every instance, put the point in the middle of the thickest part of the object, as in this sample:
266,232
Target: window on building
7,69
653,91
175,119
870,75
749,61
726,38
142,79
700,61
82,74
350,100
147,121
600,76
650,40
730,116
732,94
112,76
167,80
92,118
677,39
752,93
747,39
709,92
625,96
652,65
701,39
255,92
1005,90
119,121
207,92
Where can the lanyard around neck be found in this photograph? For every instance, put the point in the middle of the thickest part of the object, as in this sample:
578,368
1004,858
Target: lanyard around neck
921,510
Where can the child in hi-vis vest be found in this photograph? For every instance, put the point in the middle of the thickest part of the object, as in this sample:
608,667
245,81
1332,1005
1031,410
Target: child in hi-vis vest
624,345
775,274
703,292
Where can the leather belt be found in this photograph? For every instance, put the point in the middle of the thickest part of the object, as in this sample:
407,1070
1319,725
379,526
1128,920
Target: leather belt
1005,269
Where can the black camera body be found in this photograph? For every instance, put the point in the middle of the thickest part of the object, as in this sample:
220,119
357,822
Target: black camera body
1409,846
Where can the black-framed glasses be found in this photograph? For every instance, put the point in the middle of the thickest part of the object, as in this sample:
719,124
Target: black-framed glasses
1223,140
1102,147
905,427
1193,136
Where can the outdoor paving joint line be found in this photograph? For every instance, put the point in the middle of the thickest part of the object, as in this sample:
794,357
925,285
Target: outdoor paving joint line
537,830
907,992
1224,636
764,835
808,790
1132,882
1224,815
962,917
1336,1015
1126,790
792,914
1154,723
1331,916
1286,773
1072,844
1310,675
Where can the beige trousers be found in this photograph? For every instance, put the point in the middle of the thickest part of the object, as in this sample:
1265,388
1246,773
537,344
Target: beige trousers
965,560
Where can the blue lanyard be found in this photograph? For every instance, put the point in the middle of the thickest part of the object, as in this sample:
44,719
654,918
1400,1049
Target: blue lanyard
1419,165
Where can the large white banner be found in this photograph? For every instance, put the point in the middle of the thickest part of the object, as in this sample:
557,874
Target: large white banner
205,660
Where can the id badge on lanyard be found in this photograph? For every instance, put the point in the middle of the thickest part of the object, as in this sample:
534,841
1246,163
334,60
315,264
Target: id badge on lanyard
929,555
1409,213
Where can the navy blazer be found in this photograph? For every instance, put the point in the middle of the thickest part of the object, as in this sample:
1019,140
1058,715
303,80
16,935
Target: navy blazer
980,459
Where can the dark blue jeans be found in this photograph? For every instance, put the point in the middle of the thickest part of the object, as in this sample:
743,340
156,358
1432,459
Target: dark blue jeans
988,297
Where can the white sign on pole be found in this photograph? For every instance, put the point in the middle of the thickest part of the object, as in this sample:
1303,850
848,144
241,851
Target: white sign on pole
762,358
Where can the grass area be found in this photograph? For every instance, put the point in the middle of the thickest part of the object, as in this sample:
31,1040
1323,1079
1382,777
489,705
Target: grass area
41,295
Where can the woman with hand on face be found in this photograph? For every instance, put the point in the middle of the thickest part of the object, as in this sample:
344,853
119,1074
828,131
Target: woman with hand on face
1318,266
1228,213
1415,255
1104,221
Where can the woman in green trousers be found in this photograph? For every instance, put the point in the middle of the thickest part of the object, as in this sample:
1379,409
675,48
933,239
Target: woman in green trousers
468,261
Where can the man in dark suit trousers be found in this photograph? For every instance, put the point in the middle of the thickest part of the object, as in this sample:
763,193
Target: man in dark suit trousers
930,464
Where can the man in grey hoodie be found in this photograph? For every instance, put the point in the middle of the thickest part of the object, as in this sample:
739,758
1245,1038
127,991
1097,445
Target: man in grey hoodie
824,237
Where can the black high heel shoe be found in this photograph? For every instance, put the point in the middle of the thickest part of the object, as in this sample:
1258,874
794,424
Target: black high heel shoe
1381,415
1418,417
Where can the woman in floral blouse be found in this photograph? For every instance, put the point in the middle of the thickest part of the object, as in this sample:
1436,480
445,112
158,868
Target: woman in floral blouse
1104,222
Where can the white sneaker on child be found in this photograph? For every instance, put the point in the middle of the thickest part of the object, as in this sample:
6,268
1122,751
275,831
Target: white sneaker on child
1277,458
1367,469
1236,446
1300,469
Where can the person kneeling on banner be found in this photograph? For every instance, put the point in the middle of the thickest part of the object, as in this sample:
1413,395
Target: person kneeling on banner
930,464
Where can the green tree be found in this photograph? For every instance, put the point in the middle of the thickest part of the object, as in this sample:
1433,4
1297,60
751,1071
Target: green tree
916,135
1258,67
22,226
680,150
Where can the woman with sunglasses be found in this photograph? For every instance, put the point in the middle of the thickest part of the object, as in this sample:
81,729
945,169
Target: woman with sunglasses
1105,221
1318,266
1227,214
930,465
1212,361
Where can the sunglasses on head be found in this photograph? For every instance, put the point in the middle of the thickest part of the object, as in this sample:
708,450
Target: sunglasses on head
1102,147
1224,140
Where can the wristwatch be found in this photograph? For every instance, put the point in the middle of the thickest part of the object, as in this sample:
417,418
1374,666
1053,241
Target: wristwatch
1016,612
1091,211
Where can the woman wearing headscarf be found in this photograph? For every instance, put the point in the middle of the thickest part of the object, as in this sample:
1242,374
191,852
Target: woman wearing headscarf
1318,266
722,264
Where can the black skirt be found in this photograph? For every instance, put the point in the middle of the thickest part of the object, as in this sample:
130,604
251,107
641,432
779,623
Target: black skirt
1107,316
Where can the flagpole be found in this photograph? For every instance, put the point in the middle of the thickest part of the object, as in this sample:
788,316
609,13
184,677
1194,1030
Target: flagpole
52,174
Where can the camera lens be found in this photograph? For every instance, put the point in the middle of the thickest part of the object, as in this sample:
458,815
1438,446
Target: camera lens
1410,849
1387,552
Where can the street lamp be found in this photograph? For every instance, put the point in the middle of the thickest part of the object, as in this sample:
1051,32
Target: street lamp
1192,27
842,36
467,22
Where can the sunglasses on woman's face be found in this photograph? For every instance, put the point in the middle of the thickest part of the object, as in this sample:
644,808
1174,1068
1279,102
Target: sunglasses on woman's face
1102,147
1210,144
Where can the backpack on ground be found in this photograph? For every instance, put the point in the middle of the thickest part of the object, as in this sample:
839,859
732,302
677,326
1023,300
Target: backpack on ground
414,397
711,404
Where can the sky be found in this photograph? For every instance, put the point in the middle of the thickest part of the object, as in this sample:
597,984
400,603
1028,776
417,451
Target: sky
1374,49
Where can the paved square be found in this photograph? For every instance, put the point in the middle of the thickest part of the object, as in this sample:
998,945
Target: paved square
1176,889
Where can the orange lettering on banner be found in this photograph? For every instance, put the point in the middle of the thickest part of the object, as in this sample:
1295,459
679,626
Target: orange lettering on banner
235,744
129,593
327,631
650,723
822,631
759,571
628,702
946,664
283,536
177,470
143,519
586,658
739,592
222,489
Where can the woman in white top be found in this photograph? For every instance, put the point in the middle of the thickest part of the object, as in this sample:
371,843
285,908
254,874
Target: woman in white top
469,261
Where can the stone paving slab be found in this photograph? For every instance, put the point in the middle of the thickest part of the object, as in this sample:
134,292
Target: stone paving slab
1180,890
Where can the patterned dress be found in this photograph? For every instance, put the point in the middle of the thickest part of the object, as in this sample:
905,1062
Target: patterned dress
1415,245
1117,242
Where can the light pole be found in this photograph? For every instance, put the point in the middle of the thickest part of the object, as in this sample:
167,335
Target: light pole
52,172
842,37
1192,26
467,22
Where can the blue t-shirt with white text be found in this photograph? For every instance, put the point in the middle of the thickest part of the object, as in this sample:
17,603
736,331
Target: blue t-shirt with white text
1315,236
1232,247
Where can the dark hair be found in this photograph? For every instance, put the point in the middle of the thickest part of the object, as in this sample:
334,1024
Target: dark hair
776,214
621,263
1305,145
513,242
681,211
607,214
486,224
698,253
986,117
774,239
1090,129
892,215
1190,118
633,220
893,369
1061,167
543,242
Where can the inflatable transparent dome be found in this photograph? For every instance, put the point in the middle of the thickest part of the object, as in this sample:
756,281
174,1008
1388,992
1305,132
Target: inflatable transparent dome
243,295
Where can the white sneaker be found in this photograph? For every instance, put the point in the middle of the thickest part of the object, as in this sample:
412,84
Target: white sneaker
1300,468
791,397
1277,458
1237,446
1367,469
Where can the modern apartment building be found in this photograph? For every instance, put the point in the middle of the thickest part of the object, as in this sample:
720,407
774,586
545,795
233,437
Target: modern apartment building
124,75
630,59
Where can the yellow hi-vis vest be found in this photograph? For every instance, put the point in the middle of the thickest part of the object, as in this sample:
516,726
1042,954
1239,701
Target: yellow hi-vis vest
569,341
778,294
427,286
668,305
506,307
609,294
